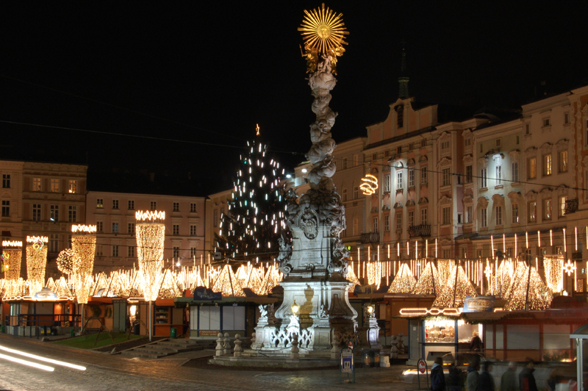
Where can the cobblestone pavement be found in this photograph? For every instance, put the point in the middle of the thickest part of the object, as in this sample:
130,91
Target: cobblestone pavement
117,372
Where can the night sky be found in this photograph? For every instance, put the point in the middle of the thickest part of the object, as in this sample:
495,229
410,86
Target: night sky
181,74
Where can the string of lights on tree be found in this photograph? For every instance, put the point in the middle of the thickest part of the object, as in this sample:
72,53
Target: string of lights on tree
255,216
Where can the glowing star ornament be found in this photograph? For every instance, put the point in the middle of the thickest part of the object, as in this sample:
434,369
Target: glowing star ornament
323,32
369,184
569,268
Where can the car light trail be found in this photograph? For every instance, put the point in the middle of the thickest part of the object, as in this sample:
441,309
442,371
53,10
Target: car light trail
49,360
28,363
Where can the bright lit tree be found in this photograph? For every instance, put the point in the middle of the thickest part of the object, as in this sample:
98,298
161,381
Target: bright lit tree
255,220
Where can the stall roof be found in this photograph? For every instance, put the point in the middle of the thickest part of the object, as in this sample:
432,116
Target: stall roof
581,333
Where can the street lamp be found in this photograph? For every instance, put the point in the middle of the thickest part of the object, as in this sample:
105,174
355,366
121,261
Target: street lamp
295,308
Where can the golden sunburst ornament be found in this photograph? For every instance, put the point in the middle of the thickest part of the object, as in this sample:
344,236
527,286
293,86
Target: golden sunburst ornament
323,32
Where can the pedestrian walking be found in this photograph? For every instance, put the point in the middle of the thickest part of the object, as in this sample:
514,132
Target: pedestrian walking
454,380
437,375
486,381
473,375
527,379
508,381
475,343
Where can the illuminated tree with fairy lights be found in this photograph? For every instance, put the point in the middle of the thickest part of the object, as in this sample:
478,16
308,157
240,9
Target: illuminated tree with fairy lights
255,220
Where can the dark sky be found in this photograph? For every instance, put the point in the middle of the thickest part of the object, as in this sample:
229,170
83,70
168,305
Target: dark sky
207,72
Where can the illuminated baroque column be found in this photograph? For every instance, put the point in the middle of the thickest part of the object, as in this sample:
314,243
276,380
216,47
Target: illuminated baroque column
36,251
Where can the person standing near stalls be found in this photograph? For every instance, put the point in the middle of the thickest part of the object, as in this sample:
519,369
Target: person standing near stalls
486,381
526,377
475,343
473,375
437,375
508,381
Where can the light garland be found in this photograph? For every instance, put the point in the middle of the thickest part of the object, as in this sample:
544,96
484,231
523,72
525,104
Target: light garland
81,228
227,283
428,283
369,184
534,293
85,248
553,269
36,255
12,262
456,289
12,243
149,215
374,273
404,282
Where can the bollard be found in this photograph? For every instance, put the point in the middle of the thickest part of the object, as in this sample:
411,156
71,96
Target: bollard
238,348
227,347
219,345
294,352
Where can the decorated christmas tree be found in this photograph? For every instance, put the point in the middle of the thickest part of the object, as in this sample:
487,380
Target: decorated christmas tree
528,291
428,283
254,223
404,281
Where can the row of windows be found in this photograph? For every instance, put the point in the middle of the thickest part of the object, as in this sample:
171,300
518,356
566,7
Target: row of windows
131,228
548,164
54,185
411,220
153,205
131,251
355,162
37,209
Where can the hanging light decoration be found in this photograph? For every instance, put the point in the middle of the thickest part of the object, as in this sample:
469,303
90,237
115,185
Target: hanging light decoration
36,253
369,184
11,258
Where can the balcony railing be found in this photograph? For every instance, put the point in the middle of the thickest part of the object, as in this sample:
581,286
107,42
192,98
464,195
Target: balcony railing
571,206
370,237
423,230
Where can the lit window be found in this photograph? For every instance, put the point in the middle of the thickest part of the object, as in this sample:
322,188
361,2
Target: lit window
547,209
547,165
99,203
563,161
562,205
55,185
532,168
73,186
36,184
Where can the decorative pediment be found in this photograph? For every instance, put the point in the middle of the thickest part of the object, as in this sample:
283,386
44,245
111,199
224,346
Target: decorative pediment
466,133
498,199
409,203
375,209
398,205
483,162
423,159
482,202
423,200
498,156
546,147
399,165
531,151
444,161
562,190
531,195
546,192
514,155
410,162
385,207
562,144
468,199
445,200
514,196
468,159
444,136
374,171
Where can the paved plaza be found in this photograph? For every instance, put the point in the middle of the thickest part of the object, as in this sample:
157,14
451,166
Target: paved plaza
117,372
